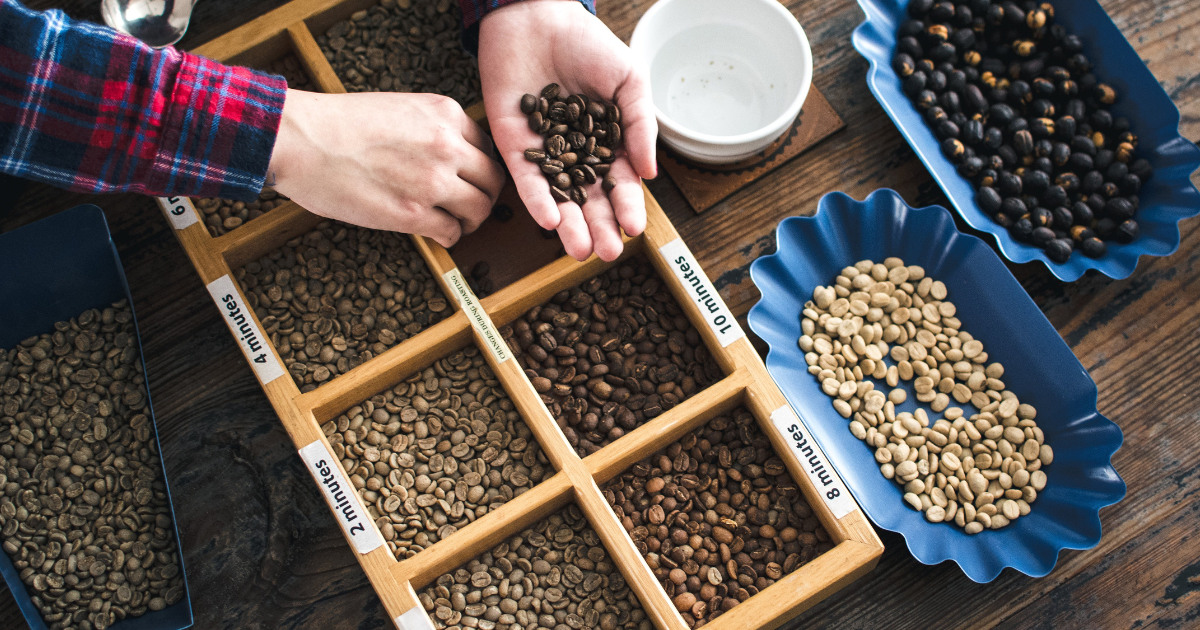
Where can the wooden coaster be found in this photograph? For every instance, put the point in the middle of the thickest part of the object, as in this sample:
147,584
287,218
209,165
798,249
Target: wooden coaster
704,185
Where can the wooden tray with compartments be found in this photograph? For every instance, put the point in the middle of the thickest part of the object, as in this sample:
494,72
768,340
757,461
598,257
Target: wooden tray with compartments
526,280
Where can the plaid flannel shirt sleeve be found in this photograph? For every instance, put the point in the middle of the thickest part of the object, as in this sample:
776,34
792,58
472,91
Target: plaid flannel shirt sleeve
474,10
90,109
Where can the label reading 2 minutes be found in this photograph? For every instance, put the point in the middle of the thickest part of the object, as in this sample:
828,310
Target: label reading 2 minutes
701,291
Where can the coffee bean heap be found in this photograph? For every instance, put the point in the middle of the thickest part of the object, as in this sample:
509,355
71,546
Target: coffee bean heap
84,512
293,73
222,216
340,295
434,453
1016,106
582,136
404,46
554,575
717,517
610,354
980,472
479,279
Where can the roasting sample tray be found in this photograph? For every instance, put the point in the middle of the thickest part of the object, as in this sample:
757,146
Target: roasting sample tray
525,282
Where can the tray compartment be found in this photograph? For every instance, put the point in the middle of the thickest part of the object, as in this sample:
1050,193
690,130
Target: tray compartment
469,443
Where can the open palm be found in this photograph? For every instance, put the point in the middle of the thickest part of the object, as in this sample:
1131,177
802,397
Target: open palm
527,45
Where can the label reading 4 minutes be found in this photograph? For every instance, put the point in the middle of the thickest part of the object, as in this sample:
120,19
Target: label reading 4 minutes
241,323
700,289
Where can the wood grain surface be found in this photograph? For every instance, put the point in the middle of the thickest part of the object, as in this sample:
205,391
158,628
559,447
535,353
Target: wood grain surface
263,552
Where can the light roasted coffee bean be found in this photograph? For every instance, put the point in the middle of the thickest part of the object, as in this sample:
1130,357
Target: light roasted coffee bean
336,297
436,452
556,574
717,517
85,518
610,354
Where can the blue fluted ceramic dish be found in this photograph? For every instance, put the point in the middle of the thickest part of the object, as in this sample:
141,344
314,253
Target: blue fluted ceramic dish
995,309
1167,197
50,271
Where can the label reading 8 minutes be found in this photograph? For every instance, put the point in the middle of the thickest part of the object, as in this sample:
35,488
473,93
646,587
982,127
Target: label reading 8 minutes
814,462
241,322
478,317
701,291
342,498
179,210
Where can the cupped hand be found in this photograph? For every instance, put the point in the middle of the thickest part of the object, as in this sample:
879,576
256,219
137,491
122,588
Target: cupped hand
527,45
412,163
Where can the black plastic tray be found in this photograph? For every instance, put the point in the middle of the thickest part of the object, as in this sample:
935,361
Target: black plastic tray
51,271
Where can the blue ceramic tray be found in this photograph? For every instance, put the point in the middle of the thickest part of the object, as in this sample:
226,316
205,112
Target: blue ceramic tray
1168,196
54,270
994,308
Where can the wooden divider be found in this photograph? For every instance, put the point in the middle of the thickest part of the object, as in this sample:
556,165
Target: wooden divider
290,29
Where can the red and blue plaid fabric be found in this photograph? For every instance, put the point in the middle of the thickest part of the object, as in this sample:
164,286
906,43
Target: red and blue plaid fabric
87,108
474,10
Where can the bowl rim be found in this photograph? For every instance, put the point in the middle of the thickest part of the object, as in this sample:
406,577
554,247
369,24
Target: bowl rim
638,41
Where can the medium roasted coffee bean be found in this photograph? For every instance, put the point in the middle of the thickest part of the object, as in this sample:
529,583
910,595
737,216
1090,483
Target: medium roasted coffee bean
584,133
611,353
86,511
436,452
340,295
556,574
716,515
403,46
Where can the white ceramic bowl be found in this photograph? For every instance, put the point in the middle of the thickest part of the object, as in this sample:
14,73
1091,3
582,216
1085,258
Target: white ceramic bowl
728,77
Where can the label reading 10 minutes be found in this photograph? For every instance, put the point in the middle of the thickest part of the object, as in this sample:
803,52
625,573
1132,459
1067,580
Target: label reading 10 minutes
814,462
700,289
342,498
179,211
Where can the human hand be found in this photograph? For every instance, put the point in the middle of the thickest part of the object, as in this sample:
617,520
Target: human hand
412,163
527,45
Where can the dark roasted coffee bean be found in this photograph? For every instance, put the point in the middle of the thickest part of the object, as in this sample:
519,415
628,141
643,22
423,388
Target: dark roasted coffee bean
988,199
1041,236
529,104
1093,248
1058,250
535,155
1013,207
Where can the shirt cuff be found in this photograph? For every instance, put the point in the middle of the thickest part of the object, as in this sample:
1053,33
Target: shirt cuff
474,10
219,126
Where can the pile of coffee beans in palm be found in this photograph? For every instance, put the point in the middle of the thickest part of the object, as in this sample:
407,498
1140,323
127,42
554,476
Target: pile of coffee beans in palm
404,46
555,574
978,472
437,451
610,354
717,517
581,138
293,73
222,216
336,297
1016,106
84,514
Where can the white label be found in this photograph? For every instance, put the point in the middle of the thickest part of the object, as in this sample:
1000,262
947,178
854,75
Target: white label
241,323
179,210
700,289
341,497
479,318
814,462
414,619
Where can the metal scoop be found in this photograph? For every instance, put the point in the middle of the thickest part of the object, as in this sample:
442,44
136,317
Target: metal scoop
157,22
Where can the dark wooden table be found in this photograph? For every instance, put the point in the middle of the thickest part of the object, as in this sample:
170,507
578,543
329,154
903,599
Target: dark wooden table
262,551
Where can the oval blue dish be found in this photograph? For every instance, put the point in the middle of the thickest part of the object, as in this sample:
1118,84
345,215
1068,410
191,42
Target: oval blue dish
1167,198
995,309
